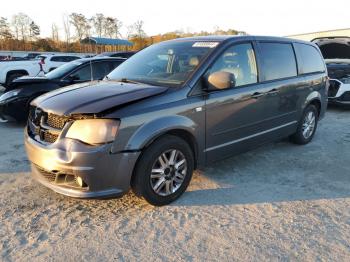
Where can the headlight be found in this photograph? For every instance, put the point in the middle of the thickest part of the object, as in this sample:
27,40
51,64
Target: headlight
94,131
9,94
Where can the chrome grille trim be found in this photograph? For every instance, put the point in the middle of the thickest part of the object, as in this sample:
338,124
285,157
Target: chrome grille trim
45,127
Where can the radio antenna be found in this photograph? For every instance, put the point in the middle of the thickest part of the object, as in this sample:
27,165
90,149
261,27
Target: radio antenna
91,71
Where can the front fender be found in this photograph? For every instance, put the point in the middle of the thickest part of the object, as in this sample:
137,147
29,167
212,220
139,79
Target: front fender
150,131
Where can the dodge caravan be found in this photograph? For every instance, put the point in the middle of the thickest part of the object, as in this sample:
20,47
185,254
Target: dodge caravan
171,108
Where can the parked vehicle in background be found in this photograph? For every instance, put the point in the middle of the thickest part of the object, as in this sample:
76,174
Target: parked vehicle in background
336,52
11,70
171,108
14,104
121,54
31,56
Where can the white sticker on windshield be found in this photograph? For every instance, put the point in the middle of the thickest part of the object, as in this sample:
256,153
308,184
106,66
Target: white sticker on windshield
205,44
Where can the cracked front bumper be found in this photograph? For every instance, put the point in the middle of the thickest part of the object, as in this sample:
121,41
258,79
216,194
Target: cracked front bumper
104,173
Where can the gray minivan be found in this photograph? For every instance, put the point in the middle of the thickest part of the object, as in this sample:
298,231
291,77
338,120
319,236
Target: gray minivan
171,108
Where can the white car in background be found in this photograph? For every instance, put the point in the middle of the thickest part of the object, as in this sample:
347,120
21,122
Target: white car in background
10,70
336,52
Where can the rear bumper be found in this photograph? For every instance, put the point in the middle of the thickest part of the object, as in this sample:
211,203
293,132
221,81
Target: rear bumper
57,166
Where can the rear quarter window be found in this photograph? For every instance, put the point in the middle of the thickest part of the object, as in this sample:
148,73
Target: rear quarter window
309,59
278,61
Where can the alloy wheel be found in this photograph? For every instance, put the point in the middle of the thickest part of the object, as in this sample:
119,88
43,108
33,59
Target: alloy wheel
168,172
309,124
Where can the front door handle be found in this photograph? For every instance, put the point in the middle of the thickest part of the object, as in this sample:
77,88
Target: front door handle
257,95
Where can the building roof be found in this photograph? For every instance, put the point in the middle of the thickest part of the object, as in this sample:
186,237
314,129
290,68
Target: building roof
327,33
105,41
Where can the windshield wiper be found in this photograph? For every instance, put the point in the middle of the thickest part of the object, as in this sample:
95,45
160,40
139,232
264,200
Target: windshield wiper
125,80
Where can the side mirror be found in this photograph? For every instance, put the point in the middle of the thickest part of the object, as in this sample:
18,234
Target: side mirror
72,78
220,80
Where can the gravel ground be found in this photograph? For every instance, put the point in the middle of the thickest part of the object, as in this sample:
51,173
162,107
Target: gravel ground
280,202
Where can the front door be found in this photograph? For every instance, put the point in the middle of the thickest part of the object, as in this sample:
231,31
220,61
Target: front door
240,117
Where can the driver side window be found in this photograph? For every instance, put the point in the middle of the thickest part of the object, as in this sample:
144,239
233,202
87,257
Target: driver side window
82,74
240,61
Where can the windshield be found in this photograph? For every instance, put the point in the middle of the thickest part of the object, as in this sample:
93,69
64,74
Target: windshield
61,71
167,63
39,57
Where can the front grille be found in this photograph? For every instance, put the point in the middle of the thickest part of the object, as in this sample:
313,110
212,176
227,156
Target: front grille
56,121
50,138
43,126
333,88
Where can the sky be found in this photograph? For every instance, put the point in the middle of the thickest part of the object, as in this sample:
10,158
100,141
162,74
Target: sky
265,17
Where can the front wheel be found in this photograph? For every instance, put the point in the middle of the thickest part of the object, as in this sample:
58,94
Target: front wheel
164,171
307,126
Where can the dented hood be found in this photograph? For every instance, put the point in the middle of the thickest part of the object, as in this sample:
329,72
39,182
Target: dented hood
94,97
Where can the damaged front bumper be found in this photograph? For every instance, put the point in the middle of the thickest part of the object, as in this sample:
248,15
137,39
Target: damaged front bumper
74,169
339,93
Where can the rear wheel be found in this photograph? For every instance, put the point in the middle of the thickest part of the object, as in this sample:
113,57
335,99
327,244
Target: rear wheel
307,126
164,171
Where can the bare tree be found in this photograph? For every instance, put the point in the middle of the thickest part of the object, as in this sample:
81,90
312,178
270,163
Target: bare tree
54,32
112,27
5,31
129,31
66,28
136,30
140,33
88,28
98,21
137,33
21,24
34,30
80,23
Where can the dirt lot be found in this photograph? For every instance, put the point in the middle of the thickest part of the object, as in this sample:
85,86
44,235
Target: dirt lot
280,202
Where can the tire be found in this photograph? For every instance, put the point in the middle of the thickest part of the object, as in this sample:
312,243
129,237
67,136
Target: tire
12,76
171,178
309,121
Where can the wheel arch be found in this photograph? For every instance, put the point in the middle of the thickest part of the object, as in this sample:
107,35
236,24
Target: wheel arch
315,99
17,71
176,125
183,134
